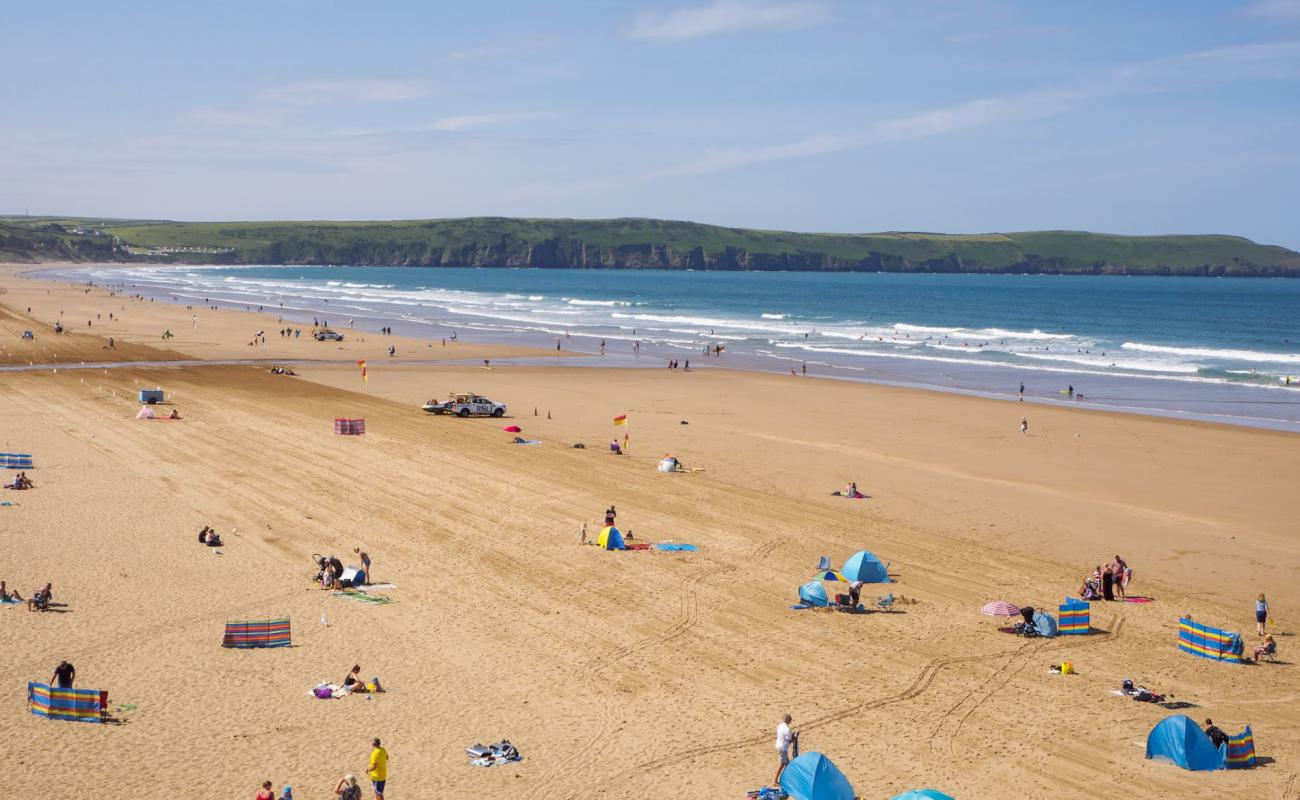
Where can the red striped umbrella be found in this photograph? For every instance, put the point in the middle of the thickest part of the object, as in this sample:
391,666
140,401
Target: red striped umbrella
1000,608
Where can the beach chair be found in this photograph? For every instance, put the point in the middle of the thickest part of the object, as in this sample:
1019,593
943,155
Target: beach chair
824,563
885,603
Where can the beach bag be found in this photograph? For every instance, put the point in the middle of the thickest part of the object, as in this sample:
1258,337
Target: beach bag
1067,667
323,692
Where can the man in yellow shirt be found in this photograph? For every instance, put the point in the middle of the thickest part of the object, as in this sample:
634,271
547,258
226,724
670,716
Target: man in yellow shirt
378,769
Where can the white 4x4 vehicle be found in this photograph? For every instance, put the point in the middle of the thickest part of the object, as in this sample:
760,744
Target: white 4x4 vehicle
467,404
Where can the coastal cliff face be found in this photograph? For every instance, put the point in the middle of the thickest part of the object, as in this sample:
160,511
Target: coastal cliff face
576,254
634,244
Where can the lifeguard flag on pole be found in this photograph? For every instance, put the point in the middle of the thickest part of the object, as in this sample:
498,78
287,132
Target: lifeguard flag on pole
364,379
621,419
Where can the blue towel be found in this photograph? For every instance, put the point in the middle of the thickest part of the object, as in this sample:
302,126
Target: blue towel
799,606
686,548
528,441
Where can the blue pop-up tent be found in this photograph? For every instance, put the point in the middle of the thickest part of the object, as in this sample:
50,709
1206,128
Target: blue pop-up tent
814,593
1179,741
922,794
864,566
812,776
1045,624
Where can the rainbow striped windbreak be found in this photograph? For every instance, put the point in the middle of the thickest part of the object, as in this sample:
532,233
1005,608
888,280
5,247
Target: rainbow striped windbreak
262,633
77,705
1206,642
1075,617
1241,750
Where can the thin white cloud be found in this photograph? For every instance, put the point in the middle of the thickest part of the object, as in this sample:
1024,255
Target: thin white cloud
1225,63
1275,9
228,117
726,16
311,93
467,122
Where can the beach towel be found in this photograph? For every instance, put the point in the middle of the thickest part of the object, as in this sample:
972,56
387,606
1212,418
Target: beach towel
16,461
526,441
502,752
800,606
260,633
327,691
362,597
1138,599
637,546
676,548
74,705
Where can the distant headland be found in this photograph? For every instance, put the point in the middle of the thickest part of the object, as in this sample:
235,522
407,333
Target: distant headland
632,244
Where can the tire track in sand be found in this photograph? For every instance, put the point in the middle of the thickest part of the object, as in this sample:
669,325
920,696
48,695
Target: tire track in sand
688,616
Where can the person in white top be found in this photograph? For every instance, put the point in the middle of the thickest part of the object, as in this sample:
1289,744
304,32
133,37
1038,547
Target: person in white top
783,740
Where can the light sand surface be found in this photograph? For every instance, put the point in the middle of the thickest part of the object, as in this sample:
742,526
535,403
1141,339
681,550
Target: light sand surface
138,325
637,674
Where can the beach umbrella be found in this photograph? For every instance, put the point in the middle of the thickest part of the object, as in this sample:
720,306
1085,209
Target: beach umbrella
512,429
1000,608
922,794
829,575
864,566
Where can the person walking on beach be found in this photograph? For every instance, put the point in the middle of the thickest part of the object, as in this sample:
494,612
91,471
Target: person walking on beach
377,769
1022,392
63,676
610,516
784,739
1024,426
1261,613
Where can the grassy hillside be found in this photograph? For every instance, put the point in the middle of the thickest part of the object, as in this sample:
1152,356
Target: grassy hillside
665,244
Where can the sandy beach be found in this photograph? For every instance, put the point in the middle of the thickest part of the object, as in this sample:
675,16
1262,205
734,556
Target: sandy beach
617,674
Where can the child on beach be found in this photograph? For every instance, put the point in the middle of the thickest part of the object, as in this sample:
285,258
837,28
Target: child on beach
1261,613
267,793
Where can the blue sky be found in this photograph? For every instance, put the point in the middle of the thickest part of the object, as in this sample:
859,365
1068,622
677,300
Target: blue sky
830,115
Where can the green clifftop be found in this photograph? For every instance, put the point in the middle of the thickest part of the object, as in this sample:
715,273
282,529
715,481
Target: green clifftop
663,244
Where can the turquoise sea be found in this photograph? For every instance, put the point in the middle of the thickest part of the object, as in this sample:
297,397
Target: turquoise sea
1215,348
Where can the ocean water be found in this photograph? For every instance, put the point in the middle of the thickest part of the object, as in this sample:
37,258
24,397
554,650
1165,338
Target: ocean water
1197,347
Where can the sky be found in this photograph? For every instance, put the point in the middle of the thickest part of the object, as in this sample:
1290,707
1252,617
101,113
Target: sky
812,115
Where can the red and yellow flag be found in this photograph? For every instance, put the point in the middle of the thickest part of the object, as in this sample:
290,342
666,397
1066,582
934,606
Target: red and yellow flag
621,419
364,379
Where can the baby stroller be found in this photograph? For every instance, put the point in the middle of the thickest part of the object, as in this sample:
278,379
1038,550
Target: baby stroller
1027,628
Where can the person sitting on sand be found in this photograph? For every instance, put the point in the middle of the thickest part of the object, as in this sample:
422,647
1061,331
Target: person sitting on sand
174,415
354,683
614,447
267,793
1268,648
348,788
20,482
7,597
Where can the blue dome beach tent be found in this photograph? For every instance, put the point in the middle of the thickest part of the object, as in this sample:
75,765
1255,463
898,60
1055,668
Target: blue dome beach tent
1179,741
814,593
865,567
610,538
812,776
1045,624
922,794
